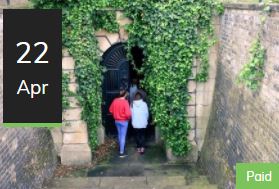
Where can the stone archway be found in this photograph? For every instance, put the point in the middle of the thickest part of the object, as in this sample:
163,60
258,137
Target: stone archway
71,141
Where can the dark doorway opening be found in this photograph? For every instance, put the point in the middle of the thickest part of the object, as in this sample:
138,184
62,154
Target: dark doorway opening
137,62
119,73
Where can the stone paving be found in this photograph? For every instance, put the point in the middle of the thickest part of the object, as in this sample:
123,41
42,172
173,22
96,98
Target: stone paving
148,171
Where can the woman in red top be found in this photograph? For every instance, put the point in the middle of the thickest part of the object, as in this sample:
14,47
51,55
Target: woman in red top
121,112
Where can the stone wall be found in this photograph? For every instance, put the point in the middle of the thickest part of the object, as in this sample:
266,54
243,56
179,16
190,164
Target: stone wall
13,3
27,155
71,140
243,125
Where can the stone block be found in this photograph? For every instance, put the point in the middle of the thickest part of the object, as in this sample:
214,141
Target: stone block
103,43
200,87
121,19
56,134
74,103
209,85
123,34
76,154
80,182
192,122
208,98
162,181
200,97
158,136
200,142
68,63
213,66
73,87
191,111
200,133
192,101
194,74
192,135
193,154
199,110
101,33
74,127
195,62
123,182
75,138
192,85
71,74
65,52
73,114
18,2
113,38
3,3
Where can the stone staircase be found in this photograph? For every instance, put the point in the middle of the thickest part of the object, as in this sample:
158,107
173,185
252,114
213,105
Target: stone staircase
149,171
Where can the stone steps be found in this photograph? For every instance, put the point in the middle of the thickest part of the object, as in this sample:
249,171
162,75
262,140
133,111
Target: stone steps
141,182
148,171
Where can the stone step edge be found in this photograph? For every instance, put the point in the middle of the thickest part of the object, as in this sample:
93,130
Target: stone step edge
133,178
139,180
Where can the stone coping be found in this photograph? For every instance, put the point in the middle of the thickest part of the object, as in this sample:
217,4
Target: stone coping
248,6
239,6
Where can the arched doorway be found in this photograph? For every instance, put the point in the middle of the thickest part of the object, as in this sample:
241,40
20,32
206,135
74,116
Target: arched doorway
117,75
119,72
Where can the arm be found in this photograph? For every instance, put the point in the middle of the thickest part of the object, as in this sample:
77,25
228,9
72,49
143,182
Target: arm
127,110
146,111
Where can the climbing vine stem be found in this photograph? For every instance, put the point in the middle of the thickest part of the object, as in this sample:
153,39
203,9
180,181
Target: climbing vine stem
252,73
65,91
172,33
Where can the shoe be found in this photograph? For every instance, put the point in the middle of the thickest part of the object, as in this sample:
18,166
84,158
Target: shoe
123,155
138,150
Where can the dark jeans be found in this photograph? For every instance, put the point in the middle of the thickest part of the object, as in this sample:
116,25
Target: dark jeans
140,137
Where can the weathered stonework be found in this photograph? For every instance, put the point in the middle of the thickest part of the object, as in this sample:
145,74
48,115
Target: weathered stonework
243,125
71,141
27,155
107,39
14,3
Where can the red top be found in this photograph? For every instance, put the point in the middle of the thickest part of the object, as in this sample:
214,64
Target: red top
120,109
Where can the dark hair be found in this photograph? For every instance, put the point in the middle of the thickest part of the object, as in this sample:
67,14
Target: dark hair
123,92
138,94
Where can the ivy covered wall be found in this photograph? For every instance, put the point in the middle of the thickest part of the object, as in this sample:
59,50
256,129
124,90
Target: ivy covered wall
172,33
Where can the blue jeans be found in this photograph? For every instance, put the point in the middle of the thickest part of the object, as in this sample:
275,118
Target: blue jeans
122,127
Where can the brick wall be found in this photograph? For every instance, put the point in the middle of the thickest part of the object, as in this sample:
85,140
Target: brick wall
243,126
26,155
